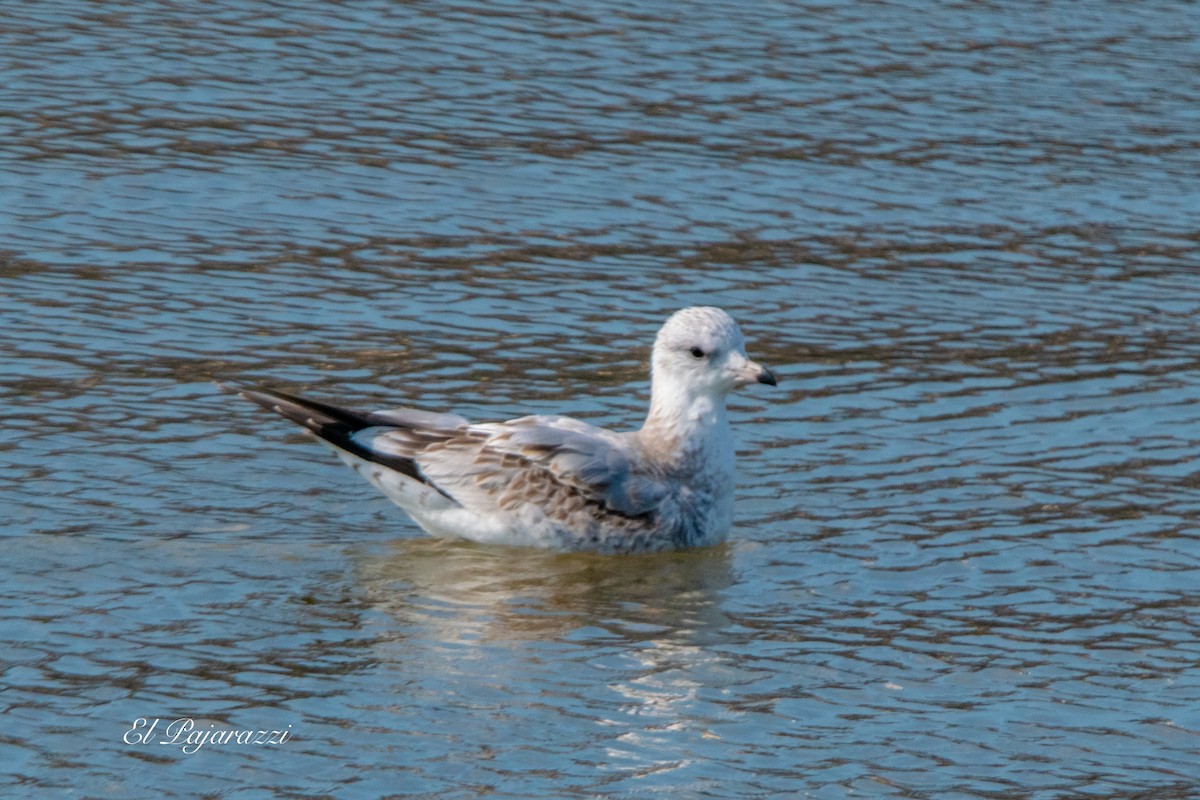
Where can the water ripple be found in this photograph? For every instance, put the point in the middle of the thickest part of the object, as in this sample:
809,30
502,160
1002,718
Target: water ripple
964,235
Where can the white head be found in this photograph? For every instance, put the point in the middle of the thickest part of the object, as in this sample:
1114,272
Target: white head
700,353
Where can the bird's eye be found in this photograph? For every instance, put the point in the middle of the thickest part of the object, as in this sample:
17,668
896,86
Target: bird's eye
697,352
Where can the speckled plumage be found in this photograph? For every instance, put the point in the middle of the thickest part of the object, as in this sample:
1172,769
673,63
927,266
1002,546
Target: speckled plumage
556,482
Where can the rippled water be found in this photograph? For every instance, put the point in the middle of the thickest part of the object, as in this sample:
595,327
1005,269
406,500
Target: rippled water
965,235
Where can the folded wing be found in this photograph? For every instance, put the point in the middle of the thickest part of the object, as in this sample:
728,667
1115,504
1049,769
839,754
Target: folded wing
555,463
551,466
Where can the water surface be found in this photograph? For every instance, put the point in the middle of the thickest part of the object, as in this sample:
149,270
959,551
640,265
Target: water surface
964,235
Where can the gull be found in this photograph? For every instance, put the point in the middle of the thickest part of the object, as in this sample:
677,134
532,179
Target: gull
555,482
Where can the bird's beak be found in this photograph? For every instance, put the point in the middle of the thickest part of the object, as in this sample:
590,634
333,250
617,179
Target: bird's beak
747,372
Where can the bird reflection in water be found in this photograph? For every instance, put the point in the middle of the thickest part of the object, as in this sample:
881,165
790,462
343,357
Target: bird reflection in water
470,592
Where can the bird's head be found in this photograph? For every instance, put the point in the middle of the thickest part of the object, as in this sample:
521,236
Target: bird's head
701,351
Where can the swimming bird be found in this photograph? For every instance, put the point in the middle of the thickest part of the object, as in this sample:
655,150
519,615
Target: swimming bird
555,482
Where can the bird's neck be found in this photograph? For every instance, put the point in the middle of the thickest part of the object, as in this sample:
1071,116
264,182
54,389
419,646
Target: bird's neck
684,429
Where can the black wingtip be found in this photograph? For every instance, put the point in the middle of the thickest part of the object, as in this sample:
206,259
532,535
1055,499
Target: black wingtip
333,424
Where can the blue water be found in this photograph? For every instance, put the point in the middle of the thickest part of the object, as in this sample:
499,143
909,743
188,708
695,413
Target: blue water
964,236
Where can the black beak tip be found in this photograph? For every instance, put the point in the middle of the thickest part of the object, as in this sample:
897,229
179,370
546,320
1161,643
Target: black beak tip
767,377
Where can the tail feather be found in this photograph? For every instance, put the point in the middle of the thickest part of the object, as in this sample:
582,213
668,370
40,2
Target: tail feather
334,425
